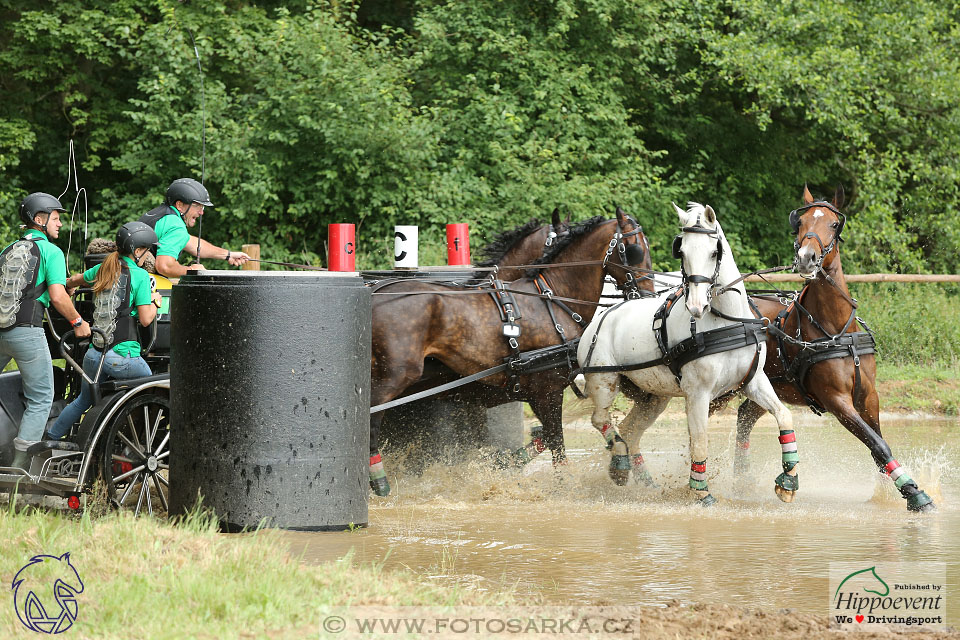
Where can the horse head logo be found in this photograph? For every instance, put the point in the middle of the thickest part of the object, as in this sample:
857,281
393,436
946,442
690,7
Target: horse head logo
867,578
45,593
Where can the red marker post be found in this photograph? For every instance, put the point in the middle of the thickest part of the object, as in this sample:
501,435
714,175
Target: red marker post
342,247
458,244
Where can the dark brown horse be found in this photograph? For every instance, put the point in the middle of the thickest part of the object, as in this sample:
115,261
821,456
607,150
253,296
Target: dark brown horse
522,245
413,321
835,384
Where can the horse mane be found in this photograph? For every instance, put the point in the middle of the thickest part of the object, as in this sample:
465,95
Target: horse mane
576,231
494,251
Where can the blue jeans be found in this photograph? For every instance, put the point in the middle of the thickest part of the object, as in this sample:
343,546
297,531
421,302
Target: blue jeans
114,366
28,346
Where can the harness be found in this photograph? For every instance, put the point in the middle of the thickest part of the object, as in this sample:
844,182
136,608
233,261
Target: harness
840,345
19,290
743,332
111,313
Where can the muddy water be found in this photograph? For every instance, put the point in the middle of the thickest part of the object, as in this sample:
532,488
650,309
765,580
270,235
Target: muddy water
570,536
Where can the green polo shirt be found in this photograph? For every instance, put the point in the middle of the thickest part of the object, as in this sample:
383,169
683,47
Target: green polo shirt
52,268
140,293
172,235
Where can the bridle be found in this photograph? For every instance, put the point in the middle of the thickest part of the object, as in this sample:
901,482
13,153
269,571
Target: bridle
630,255
824,250
678,253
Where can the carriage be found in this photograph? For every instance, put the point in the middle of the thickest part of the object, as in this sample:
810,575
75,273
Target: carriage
122,440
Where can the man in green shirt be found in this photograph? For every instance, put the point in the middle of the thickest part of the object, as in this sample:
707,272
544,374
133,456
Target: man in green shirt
33,273
184,204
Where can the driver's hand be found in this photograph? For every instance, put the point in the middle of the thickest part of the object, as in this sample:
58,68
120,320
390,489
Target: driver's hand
237,258
196,267
83,331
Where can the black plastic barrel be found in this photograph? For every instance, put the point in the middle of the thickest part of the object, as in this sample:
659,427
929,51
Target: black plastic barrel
270,398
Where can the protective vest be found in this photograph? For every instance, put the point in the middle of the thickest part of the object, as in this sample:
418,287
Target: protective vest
111,313
152,217
19,306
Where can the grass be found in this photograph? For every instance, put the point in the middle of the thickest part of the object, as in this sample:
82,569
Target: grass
145,578
919,388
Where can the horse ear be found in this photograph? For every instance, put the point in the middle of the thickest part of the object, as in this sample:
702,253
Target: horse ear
555,217
680,212
838,197
621,217
807,198
711,214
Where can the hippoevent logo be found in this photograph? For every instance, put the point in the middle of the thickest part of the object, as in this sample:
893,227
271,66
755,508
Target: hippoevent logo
45,593
874,597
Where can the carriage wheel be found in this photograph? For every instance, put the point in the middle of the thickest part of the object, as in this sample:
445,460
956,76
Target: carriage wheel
136,455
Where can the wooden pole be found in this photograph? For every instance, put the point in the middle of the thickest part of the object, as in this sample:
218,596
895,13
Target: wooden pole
864,277
252,250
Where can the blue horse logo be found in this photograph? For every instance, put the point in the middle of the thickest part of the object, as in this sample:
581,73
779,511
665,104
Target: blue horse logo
32,587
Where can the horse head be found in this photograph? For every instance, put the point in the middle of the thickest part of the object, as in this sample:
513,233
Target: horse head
699,246
812,223
46,574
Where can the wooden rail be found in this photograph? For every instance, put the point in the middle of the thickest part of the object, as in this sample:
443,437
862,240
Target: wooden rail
864,277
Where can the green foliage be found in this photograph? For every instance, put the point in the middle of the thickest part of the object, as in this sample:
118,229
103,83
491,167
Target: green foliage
913,323
491,112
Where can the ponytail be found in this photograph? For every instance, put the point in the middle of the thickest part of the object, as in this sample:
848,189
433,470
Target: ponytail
108,273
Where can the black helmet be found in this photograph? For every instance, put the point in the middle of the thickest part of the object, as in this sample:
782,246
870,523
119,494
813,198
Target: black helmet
38,203
187,190
135,234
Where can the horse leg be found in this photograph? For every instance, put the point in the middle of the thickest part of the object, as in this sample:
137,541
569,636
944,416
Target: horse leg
698,410
761,391
402,375
841,405
646,408
602,389
549,410
378,477
747,415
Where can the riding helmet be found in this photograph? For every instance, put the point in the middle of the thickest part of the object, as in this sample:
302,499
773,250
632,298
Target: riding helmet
187,190
38,202
135,234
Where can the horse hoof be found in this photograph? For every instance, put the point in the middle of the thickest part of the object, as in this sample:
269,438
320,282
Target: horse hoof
707,501
785,495
380,486
619,469
644,478
921,502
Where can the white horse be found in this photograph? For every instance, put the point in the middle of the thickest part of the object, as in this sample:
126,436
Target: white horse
623,337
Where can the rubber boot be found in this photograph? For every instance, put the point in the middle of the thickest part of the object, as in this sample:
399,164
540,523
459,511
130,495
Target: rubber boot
21,459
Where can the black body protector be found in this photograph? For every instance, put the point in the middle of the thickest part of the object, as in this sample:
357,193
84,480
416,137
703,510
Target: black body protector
152,217
111,313
19,306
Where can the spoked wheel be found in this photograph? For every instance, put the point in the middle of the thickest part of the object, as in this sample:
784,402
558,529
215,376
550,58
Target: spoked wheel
136,451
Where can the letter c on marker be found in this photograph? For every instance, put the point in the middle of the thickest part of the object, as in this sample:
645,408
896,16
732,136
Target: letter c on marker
348,248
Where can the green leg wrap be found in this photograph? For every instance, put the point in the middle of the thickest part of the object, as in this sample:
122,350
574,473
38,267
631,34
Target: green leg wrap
920,502
788,482
698,485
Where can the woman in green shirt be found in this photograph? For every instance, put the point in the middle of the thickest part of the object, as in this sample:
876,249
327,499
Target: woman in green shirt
122,297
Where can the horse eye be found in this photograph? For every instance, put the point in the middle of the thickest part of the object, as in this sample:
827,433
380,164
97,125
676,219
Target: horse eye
834,225
713,255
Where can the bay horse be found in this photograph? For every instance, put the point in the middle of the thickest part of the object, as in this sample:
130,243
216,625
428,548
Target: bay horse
413,321
844,383
522,245
728,353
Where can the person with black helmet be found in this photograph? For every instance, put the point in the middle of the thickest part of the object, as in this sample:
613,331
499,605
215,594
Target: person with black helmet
123,296
33,276
183,205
